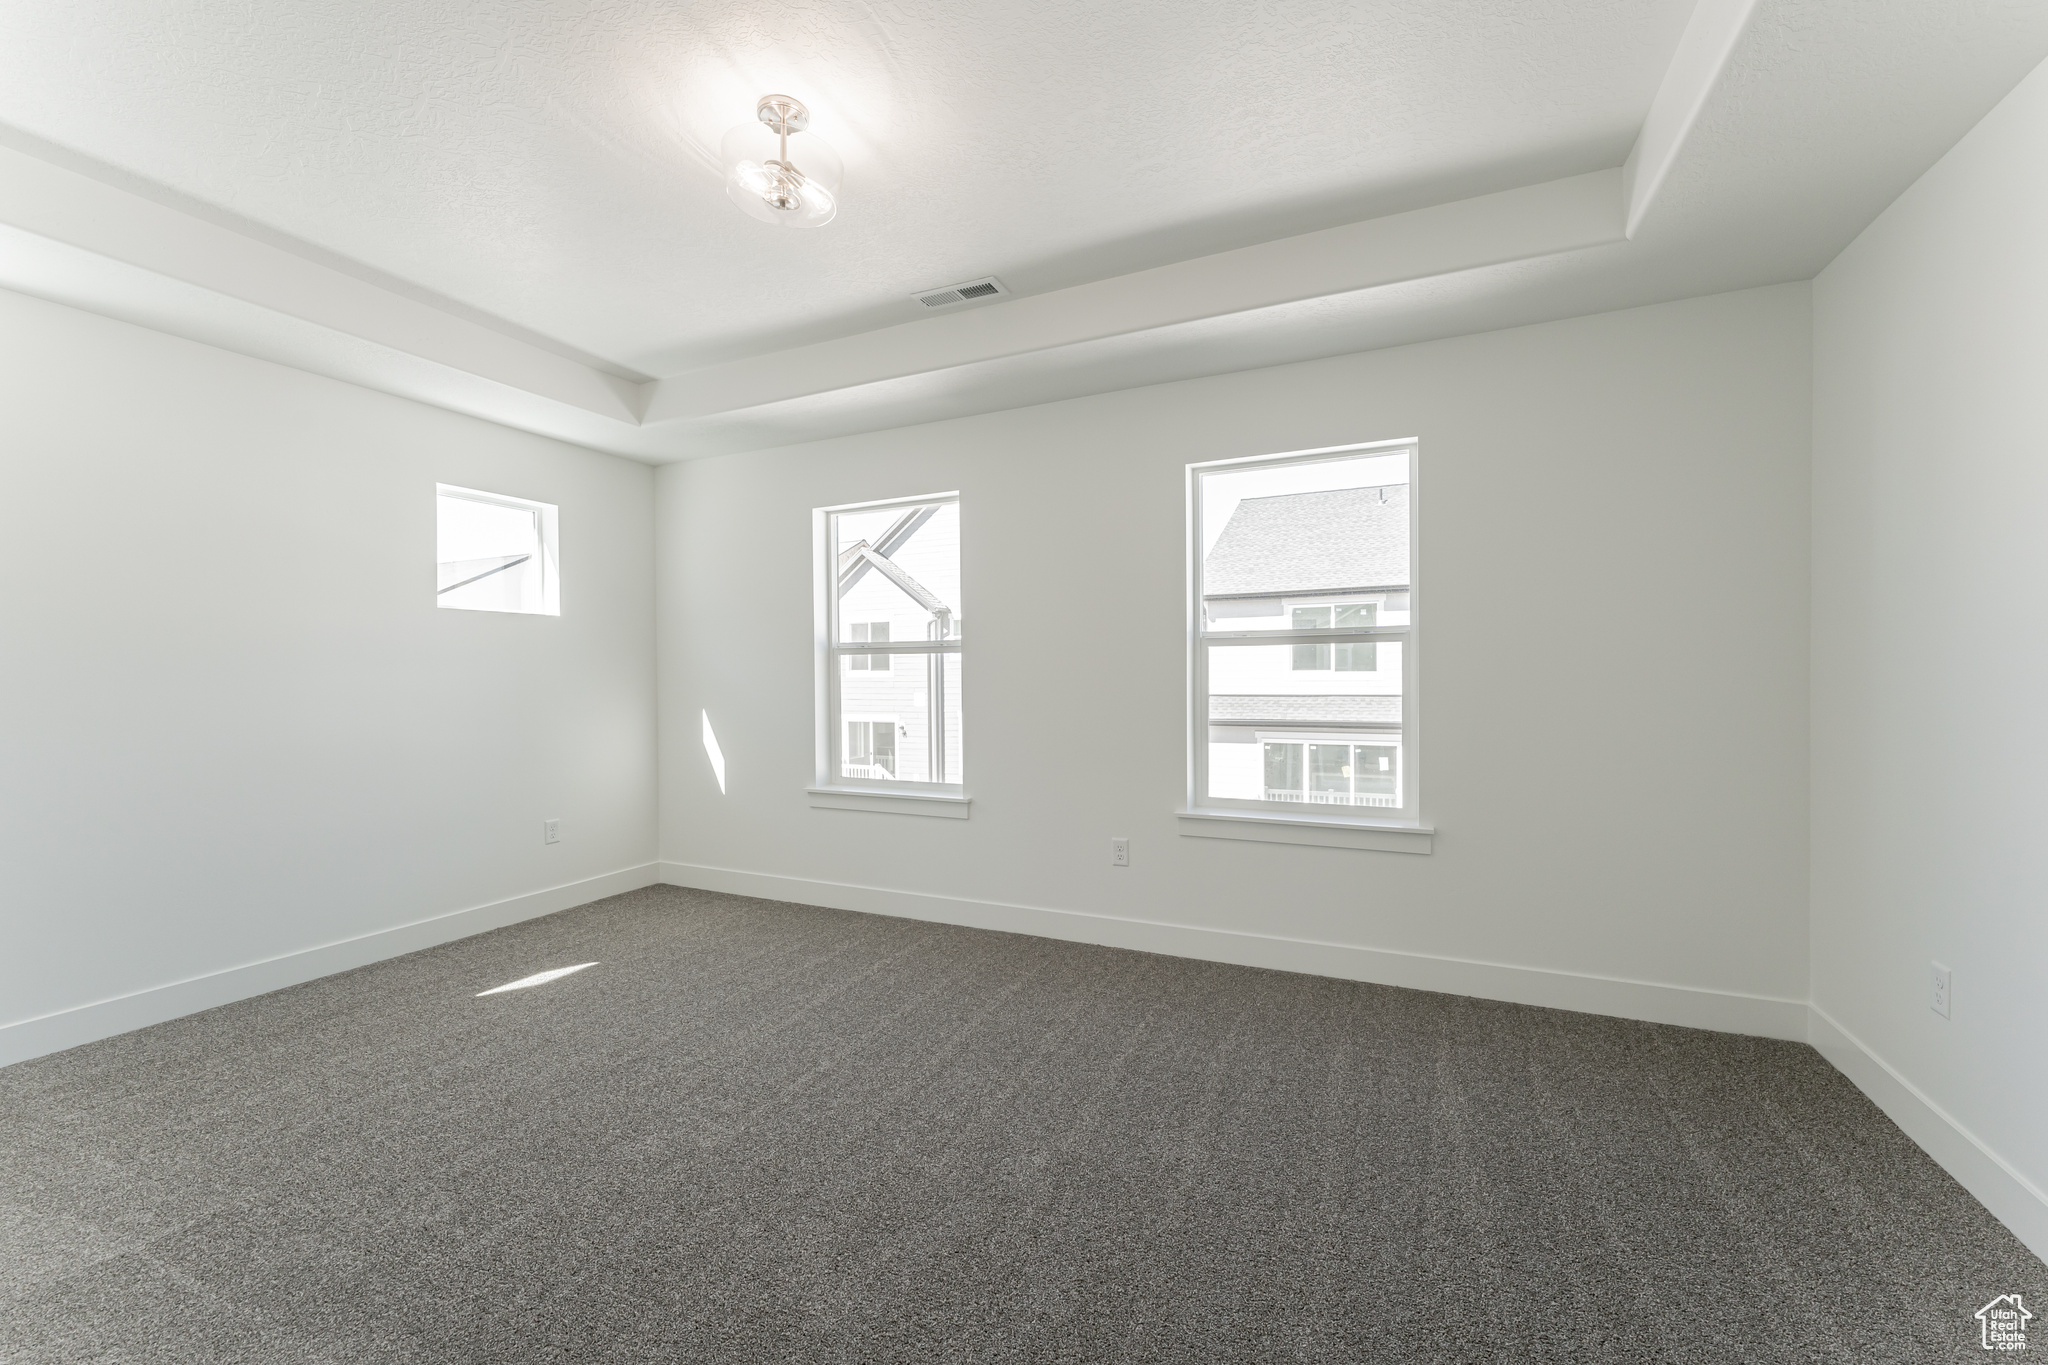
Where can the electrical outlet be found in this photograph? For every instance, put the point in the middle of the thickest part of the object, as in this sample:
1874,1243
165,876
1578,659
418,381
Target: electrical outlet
551,831
1120,852
1938,1001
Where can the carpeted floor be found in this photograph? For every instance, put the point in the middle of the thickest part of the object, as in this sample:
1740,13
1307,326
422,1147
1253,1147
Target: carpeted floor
764,1132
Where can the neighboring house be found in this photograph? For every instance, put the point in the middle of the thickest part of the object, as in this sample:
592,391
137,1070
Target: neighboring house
899,715
1317,723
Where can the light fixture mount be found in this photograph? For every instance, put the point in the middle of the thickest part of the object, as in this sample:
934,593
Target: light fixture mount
783,114
763,178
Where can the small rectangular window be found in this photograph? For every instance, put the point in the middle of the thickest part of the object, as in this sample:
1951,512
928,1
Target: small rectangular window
1303,656
891,639
495,553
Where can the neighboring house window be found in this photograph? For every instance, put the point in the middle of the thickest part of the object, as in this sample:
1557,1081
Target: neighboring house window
1333,772
1311,658
1357,657
871,748
495,553
891,642
869,632
1303,659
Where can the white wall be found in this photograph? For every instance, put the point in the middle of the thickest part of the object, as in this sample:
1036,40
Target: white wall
1930,657
1613,551
236,727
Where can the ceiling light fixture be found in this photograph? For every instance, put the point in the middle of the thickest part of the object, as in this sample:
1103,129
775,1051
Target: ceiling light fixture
765,183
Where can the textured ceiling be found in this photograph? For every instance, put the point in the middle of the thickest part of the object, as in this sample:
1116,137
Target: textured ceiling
553,164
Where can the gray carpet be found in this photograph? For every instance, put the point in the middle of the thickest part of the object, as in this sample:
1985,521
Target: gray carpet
764,1132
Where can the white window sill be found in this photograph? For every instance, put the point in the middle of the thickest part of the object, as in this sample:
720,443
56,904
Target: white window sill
1384,836
890,802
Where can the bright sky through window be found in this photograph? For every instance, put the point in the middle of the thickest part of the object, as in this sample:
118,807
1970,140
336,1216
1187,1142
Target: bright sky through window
495,553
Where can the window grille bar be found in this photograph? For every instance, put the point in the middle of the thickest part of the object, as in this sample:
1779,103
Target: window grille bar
1305,636
900,647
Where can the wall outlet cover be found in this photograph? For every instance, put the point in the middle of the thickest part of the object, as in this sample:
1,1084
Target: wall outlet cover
551,831
1940,980
1120,852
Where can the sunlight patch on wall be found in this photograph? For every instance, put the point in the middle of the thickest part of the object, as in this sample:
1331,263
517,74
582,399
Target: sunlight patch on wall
714,753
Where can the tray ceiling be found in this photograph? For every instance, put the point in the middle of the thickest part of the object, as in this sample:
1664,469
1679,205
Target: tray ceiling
555,164
513,209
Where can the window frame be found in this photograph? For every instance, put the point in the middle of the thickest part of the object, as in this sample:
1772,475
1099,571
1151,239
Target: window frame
1408,815
829,649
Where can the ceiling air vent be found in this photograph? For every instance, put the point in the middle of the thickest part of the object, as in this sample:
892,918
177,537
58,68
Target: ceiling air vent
987,287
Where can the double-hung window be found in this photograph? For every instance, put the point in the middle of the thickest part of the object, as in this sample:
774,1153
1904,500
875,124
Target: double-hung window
890,646
1303,645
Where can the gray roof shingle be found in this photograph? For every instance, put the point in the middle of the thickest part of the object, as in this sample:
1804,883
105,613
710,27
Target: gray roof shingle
1312,542
1304,710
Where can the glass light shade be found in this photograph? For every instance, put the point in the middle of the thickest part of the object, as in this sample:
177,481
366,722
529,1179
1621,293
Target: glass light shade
803,192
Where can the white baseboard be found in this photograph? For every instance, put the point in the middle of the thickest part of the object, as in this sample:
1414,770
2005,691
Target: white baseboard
1689,1006
2013,1199
105,1018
